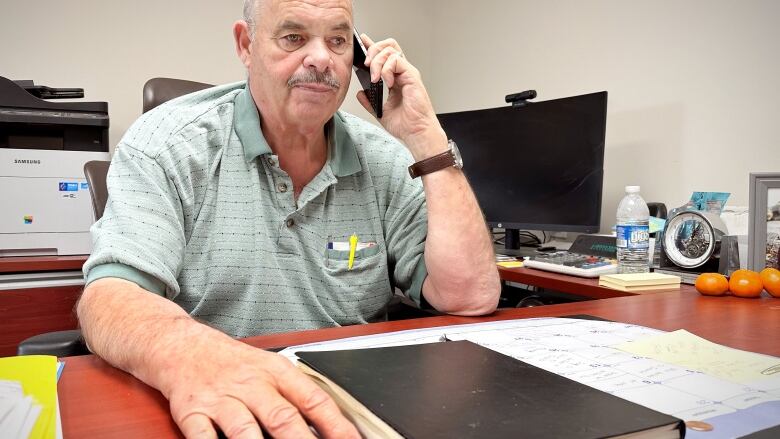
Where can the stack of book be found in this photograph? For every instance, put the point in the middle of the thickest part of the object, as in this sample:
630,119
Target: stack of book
640,282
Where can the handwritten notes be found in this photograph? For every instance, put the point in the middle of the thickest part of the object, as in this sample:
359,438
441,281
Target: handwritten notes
693,352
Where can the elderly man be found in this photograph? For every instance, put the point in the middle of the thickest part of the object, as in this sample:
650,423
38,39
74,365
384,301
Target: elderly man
258,208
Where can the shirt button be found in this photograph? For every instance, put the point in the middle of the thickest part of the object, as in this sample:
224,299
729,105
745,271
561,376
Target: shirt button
271,162
282,187
290,222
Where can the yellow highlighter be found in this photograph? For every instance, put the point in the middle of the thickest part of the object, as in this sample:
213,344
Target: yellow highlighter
353,240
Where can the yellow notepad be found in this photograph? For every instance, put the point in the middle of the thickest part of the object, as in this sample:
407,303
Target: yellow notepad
640,279
510,264
38,376
693,352
638,288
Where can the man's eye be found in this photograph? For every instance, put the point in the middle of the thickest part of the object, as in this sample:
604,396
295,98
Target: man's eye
291,42
338,44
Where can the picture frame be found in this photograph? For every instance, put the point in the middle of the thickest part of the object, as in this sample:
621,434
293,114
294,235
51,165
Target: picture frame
764,222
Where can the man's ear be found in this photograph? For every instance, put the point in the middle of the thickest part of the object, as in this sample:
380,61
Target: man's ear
243,40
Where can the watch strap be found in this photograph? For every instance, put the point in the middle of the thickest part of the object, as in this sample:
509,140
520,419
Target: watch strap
432,164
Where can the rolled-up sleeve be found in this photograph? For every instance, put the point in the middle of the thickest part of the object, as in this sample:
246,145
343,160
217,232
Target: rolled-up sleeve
140,237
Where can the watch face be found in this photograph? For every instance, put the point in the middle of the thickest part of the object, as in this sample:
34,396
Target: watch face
689,240
456,155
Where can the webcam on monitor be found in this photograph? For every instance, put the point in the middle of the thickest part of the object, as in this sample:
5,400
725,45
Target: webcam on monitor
521,99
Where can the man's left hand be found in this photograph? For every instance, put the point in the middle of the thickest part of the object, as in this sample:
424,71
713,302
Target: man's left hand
408,113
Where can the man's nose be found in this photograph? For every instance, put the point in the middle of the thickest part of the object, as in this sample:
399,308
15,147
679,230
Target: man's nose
318,55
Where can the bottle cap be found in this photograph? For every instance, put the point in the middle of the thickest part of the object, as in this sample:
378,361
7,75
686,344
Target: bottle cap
632,189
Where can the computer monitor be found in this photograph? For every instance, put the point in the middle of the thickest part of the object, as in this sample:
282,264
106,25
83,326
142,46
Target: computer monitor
535,167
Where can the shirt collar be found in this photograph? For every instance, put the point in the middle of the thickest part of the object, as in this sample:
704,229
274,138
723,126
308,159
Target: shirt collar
246,121
342,153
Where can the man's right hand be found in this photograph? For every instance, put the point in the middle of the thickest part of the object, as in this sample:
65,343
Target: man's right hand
235,385
211,380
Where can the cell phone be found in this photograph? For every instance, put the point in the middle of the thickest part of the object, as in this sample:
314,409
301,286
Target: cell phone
363,73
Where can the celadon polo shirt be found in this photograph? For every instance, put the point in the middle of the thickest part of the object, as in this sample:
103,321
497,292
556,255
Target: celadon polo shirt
199,211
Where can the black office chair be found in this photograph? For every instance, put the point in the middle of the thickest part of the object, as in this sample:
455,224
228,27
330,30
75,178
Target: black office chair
70,343
159,90
96,172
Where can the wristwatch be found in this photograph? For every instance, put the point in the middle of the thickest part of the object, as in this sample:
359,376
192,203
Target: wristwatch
448,158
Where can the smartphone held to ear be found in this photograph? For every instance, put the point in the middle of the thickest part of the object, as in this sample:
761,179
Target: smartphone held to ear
373,90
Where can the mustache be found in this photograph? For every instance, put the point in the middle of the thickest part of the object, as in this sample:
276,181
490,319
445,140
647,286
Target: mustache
314,77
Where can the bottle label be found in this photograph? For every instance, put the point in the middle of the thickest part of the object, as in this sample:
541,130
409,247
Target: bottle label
633,237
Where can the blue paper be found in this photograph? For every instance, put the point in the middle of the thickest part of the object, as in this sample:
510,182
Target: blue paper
709,201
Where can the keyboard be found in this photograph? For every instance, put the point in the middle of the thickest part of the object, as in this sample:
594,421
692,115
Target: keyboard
575,264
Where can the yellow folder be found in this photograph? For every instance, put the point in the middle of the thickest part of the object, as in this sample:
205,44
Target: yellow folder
38,376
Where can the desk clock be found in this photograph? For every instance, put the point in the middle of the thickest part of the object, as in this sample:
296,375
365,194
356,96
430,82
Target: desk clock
694,242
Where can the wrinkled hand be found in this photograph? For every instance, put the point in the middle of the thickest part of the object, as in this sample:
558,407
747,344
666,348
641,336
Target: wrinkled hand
235,386
408,113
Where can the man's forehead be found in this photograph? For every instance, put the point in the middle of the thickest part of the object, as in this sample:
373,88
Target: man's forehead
280,10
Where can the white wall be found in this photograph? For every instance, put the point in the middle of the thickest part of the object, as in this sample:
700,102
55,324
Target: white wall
694,96
111,48
694,93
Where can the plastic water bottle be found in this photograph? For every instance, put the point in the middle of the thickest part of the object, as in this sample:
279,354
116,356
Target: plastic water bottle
633,233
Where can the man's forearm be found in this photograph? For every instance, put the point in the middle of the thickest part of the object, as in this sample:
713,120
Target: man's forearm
136,330
209,379
462,275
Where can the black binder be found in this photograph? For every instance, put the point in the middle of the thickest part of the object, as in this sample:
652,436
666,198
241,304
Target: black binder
462,390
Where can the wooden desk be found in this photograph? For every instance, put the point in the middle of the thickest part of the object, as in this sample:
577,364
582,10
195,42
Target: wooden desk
32,311
27,264
100,401
564,283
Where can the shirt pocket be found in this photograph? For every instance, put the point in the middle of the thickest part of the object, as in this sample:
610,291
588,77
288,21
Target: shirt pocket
337,261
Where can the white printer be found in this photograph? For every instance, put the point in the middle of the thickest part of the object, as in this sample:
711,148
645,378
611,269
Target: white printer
45,205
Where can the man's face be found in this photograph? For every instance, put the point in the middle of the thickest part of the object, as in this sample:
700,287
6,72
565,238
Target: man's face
301,58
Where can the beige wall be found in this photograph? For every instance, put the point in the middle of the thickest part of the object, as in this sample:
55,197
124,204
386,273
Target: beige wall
111,48
694,85
694,95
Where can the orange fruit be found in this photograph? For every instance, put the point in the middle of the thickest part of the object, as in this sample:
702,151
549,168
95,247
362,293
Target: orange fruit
770,277
746,283
712,284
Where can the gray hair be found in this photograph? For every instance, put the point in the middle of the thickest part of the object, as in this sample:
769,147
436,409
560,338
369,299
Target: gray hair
250,11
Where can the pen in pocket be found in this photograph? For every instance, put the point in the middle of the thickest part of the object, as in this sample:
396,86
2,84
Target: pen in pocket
344,245
353,241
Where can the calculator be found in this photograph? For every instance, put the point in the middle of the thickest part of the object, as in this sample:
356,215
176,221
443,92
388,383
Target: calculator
588,256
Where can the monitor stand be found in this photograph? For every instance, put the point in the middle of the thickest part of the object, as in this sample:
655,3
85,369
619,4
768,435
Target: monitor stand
516,252
512,245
